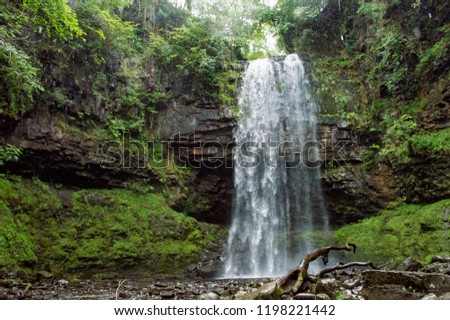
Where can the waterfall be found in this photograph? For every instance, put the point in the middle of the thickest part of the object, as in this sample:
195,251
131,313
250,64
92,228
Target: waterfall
277,192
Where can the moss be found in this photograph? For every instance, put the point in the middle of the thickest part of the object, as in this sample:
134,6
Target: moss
25,208
407,230
105,229
119,227
62,126
15,244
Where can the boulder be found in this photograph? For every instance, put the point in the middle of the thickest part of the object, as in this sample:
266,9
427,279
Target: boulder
328,287
405,285
409,264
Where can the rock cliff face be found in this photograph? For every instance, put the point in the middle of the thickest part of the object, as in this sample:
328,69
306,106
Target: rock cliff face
57,152
199,135
199,131
351,193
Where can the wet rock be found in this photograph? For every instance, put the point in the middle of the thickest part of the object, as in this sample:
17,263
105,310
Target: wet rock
74,282
125,295
445,296
239,295
23,275
43,275
437,267
197,122
15,291
430,296
351,284
66,156
208,271
61,283
322,296
349,297
328,287
392,285
305,296
209,296
409,264
192,267
167,294
223,292
311,296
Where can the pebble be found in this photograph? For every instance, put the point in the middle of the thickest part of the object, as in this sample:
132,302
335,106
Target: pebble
160,285
167,294
240,294
209,296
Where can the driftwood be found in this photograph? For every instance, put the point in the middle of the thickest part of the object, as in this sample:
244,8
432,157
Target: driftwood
341,266
298,278
121,282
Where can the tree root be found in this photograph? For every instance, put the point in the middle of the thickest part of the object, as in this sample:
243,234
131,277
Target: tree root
298,278
341,266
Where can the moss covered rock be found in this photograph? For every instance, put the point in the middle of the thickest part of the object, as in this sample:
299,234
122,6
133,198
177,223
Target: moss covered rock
420,231
101,229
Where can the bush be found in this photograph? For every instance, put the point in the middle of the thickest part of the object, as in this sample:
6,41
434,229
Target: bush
431,143
205,61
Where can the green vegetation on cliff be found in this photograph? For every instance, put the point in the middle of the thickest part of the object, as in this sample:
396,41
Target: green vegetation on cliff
110,64
103,229
402,231
384,67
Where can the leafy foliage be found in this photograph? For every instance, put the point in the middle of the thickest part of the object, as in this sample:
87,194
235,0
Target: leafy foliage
54,16
436,142
437,55
19,80
8,153
396,146
204,60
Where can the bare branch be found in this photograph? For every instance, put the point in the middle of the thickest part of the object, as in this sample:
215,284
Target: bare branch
121,282
341,266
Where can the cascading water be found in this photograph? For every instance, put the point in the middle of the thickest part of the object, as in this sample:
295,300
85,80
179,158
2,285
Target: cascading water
278,198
